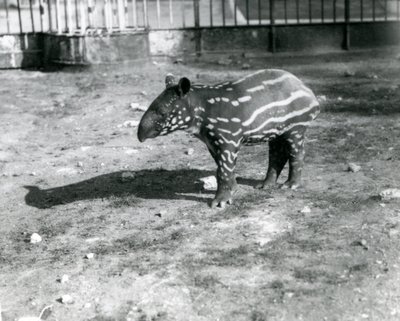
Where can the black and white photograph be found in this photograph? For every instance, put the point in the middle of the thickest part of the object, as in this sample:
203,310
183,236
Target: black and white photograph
199,160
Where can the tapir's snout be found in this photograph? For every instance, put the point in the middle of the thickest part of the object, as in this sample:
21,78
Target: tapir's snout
147,128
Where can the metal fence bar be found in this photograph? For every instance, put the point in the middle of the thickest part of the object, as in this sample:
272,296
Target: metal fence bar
285,9
223,12
259,11
58,17
7,16
272,25
196,12
41,12
90,14
31,12
76,14
322,10
235,12
310,10
398,9
158,13
373,10
347,24
69,16
19,15
247,12
362,10
386,11
334,10
82,16
211,13
298,11
183,14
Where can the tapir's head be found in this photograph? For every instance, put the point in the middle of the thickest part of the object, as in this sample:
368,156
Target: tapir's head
168,112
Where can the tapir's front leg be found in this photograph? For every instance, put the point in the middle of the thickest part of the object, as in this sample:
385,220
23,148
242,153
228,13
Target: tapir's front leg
225,157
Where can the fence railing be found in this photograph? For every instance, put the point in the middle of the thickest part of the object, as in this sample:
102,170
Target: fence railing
97,16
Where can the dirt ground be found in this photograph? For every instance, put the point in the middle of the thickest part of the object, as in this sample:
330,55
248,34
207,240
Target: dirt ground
73,171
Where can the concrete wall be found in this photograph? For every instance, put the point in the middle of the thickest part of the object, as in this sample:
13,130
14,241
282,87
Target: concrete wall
42,49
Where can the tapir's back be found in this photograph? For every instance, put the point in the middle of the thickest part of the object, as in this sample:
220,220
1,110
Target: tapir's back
264,100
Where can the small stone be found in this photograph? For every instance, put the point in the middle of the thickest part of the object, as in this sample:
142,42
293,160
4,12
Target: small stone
352,167
79,164
89,256
349,73
131,123
209,183
390,193
363,242
246,66
190,151
138,107
66,299
224,62
32,174
87,305
131,151
306,210
64,279
178,61
85,148
289,294
36,238
390,148
161,213
382,204
321,98
340,99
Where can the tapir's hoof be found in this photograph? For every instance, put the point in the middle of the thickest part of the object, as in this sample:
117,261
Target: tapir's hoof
265,185
221,201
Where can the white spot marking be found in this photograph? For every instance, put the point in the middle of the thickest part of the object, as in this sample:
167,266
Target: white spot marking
229,89
254,89
212,120
235,103
235,120
211,101
244,99
224,120
187,118
225,99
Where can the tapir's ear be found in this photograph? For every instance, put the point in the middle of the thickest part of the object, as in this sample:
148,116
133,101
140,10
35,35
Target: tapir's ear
184,86
169,80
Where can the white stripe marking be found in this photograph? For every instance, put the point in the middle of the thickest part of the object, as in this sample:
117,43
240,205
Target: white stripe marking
229,89
235,120
256,88
224,120
224,130
235,103
212,120
231,142
276,80
284,118
244,99
237,133
225,99
228,168
293,96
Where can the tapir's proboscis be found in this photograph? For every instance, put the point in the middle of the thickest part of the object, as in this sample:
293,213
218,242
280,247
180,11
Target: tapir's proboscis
269,105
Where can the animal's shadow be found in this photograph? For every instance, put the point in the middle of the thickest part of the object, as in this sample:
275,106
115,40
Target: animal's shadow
147,184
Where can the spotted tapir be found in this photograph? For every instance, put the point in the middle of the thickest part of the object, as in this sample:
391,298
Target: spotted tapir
267,105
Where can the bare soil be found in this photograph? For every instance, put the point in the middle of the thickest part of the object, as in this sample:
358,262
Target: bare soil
73,173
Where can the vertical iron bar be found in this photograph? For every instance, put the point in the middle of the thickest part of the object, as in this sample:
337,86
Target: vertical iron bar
334,10
49,13
223,12
322,10
66,15
158,13
309,11
211,13
285,8
183,14
235,12
69,16
58,18
272,25
386,15
298,11
145,14
7,16
196,12
76,15
362,10
19,15
171,17
32,20
41,12
373,10
347,24
90,13
259,12
247,12
121,14
134,9
398,9
82,16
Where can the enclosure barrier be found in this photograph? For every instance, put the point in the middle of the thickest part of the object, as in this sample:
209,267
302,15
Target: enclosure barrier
116,16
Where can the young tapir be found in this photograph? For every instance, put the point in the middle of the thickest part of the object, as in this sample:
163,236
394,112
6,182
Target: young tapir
268,105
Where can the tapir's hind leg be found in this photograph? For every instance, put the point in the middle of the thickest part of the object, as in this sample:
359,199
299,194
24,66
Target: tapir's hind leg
278,157
295,144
